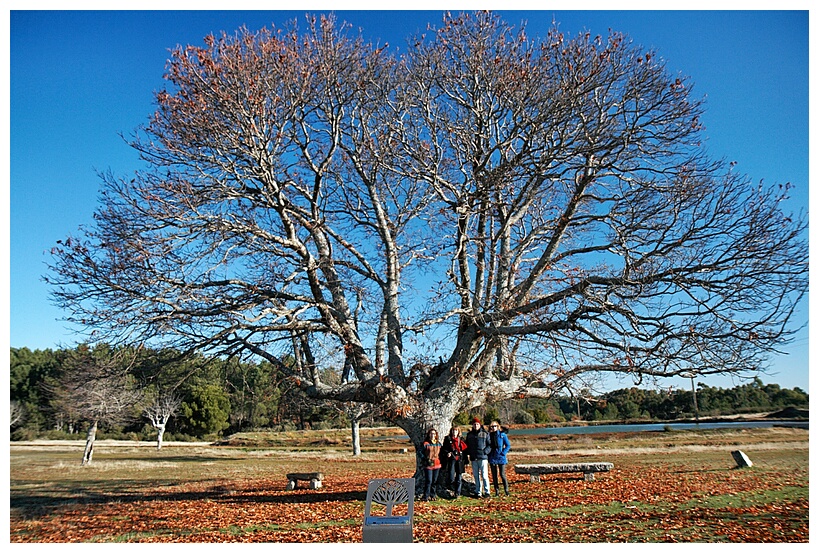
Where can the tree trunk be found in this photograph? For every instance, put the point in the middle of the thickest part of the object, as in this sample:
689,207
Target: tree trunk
89,443
160,431
355,426
438,414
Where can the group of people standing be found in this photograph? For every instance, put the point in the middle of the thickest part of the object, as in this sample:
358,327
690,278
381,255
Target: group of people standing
482,449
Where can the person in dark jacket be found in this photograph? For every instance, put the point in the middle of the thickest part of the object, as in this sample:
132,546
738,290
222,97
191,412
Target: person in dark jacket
453,453
499,442
477,450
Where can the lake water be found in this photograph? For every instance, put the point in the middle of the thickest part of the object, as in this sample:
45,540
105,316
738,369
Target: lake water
653,427
649,427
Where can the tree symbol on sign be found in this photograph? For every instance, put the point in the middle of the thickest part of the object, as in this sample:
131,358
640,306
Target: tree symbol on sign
389,494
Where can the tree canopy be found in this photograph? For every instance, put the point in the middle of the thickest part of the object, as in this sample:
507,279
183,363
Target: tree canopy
485,215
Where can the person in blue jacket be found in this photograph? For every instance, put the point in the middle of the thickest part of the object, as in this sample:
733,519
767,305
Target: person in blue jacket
497,457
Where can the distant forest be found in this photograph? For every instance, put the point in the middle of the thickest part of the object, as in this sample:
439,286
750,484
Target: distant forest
50,391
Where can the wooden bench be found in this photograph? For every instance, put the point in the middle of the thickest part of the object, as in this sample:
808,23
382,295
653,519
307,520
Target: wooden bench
588,469
314,478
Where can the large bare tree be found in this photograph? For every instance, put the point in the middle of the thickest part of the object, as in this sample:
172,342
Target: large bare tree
95,387
485,216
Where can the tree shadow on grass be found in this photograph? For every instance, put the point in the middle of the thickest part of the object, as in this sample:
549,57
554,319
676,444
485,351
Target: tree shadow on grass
32,505
303,497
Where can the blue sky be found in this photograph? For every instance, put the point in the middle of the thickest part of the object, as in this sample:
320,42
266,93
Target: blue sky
81,79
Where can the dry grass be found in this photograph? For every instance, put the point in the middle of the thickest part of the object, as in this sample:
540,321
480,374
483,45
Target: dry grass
683,483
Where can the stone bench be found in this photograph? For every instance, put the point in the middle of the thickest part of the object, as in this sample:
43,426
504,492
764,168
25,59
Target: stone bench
588,469
314,478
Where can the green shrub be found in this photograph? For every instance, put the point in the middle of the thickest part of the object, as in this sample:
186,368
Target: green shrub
524,417
205,412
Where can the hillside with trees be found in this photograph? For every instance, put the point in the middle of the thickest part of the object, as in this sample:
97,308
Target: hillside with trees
205,398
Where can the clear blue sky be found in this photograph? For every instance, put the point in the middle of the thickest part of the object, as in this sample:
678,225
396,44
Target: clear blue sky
78,80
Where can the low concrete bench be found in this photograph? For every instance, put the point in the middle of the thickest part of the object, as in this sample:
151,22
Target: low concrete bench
588,469
314,478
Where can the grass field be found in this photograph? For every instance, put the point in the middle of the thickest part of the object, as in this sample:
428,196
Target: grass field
680,486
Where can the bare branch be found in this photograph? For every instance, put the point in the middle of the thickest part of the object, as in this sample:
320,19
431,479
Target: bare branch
484,215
